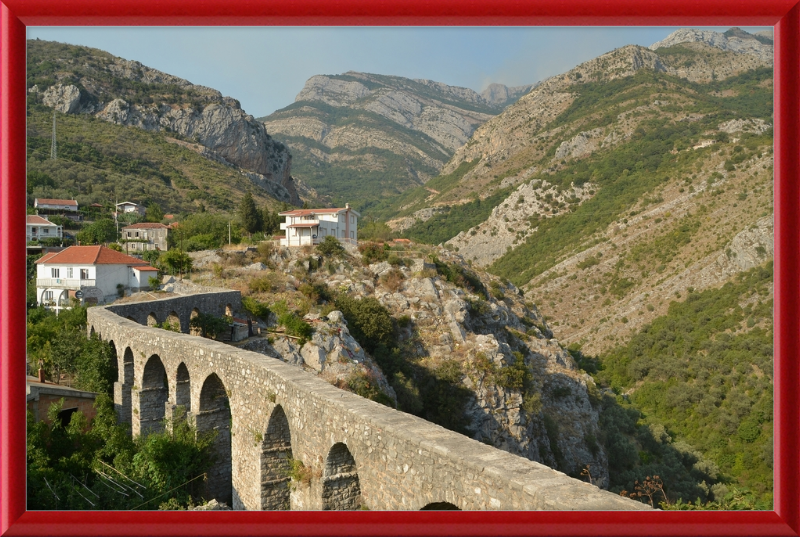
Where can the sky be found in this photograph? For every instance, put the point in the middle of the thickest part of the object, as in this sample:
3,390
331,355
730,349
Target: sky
266,67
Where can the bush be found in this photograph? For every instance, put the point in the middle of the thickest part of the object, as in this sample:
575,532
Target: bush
255,308
331,247
393,280
154,283
372,252
210,326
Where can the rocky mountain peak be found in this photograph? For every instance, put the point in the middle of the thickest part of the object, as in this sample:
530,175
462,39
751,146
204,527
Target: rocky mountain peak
734,40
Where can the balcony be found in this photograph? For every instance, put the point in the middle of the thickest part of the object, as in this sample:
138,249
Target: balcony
63,283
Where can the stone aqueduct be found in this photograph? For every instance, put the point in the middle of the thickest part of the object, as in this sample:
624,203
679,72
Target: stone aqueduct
267,412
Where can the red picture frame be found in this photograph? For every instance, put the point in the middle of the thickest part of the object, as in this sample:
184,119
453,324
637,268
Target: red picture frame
783,14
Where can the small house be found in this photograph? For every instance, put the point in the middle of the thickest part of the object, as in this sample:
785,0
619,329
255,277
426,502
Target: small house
38,228
145,236
130,207
311,226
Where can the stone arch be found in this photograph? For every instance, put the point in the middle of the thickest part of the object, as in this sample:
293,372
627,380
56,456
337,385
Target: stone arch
174,319
341,490
192,330
228,310
440,506
214,414
115,360
152,319
183,388
276,450
122,388
153,396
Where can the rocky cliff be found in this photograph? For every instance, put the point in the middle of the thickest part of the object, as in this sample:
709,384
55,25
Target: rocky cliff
359,136
80,80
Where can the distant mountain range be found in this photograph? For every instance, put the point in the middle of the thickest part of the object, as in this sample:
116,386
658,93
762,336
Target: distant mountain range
361,137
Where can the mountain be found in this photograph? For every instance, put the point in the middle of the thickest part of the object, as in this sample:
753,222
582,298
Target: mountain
631,200
360,137
93,83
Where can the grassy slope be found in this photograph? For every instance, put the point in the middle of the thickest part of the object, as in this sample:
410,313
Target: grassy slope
99,162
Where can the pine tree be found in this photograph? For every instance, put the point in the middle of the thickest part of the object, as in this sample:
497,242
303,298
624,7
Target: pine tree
249,215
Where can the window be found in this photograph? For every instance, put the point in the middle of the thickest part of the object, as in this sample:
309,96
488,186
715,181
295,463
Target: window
137,233
45,230
54,273
84,274
47,295
69,272
33,230
129,234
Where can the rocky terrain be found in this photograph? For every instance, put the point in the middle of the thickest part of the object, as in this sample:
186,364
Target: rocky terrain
520,389
80,80
377,134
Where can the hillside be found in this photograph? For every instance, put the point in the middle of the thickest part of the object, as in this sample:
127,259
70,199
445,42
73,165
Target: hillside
90,83
100,162
360,137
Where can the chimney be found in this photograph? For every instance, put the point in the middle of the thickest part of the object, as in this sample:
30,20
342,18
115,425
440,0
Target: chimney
41,375
347,206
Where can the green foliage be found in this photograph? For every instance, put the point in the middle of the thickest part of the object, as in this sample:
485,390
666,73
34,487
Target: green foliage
64,463
154,283
361,383
704,373
256,308
169,326
249,216
176,261
461,277
153,213
373,252
205,231
330,247
98,232
295,325
445,225
368,320
209,325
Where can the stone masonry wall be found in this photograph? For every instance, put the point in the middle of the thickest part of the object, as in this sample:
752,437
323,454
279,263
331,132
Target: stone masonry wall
401,462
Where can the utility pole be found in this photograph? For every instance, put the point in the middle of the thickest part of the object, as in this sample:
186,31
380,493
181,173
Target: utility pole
53,153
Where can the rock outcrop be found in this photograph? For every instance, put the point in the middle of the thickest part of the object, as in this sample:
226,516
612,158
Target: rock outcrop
734,40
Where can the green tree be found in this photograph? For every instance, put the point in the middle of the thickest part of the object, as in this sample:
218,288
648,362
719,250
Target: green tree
210,326
177,261
98,232
153,213
249,216
330,247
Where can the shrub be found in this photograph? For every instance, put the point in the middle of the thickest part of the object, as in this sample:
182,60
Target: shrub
154,283
393,280
210,326
363,384
372,252
331,247
256,308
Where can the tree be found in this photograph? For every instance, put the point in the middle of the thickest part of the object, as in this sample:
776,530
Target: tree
330,247
210,326
98,232
153,213
177,261
249,216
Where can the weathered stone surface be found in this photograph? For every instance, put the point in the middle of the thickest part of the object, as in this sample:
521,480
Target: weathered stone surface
66,99
398,461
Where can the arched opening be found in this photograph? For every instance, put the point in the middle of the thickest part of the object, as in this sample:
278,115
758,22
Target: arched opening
114,359
175,321
276,450
122,388
183,389
341,490
194,330
152,320
440,506
153,396
228,310
214,414
92,333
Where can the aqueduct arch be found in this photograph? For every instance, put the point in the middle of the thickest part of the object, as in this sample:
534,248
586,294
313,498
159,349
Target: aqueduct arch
265,411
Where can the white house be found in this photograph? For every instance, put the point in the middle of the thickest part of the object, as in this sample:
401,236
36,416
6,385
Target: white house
311,226
130,207
37,228
98,272
54,205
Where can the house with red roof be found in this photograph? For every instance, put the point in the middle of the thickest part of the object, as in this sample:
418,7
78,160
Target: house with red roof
38,227
99,273
68,208
311,226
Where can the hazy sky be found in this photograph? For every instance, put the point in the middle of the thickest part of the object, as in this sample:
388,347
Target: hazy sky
265,67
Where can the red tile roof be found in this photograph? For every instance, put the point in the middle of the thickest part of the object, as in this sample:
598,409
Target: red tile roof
306,212
91,255
46,201
148,268
147,225
45,257
38,220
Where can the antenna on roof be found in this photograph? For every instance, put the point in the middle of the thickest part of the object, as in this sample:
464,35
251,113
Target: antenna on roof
53,154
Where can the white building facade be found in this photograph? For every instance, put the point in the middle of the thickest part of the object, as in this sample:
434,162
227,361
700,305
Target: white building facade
38,228
311,226
100,274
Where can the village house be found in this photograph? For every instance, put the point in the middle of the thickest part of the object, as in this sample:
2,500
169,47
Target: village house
99,273
67,208
38,228
311,226
130,207
42,394
145,236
